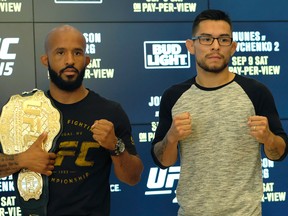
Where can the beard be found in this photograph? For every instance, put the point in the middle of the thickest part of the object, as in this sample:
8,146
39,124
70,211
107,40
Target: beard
211,69
69,85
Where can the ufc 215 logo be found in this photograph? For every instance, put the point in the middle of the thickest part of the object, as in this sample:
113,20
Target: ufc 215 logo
163,181
7,57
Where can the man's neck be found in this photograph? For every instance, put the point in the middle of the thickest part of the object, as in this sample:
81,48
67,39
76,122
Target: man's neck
213,80
68,97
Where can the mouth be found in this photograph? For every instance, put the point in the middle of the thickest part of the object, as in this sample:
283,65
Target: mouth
69,71
214,56
69,74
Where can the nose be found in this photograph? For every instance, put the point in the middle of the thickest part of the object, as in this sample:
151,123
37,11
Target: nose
69,60
215,45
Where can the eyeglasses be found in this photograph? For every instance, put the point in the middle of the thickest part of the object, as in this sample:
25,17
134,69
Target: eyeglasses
209,40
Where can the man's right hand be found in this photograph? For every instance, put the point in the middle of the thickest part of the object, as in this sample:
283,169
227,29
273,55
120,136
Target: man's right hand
36,158
166,150
181,127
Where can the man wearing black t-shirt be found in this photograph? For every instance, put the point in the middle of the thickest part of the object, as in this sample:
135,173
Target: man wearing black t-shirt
96,133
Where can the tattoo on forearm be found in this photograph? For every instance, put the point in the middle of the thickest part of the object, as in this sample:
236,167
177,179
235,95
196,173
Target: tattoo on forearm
8,165
159,150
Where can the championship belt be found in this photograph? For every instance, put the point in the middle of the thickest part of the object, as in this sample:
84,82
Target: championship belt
22,120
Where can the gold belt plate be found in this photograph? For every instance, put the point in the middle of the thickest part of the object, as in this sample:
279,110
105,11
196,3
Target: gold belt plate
22,120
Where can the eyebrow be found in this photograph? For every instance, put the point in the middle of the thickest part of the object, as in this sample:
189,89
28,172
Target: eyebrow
75,49
79,49
206,34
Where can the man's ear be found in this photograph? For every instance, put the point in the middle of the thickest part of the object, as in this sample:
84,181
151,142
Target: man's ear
233,49
44,60
87,60
190,46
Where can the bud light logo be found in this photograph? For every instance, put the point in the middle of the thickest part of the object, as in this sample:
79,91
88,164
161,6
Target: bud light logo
166,54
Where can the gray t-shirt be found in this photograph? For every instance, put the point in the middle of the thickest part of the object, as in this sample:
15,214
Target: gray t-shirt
221,171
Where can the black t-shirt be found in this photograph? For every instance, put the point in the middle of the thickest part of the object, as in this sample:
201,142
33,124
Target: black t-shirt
79,184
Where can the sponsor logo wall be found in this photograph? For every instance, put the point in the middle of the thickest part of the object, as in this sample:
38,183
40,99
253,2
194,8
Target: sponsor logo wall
137,50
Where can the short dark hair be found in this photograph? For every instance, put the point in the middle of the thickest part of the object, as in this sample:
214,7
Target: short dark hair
210,15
